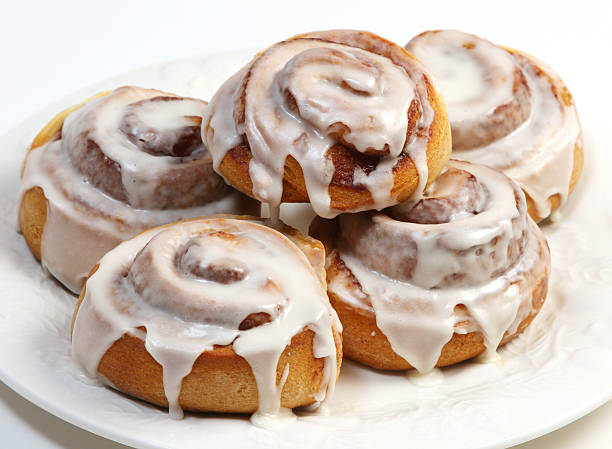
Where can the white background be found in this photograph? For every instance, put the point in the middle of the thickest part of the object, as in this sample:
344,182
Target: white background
50,49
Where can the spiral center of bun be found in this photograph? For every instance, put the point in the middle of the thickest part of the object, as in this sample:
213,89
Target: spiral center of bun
456,194
143,147
357,98
485,90
195,260
474,217
159,126
224,275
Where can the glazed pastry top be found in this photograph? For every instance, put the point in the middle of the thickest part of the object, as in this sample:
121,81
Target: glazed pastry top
134,143
120,164
302,97
507,109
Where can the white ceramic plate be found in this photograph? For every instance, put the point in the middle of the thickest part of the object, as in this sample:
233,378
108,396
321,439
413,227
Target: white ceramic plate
556,372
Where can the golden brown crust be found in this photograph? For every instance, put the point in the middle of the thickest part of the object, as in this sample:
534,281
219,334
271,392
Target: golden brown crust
221,380
364,342
32,218
344,195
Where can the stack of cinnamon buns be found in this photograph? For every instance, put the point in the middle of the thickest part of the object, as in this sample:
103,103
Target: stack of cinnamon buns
148,205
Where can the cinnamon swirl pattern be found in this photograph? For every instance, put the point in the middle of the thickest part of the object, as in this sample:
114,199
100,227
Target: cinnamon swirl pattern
119,164
507,110
343,119
462,271
213,314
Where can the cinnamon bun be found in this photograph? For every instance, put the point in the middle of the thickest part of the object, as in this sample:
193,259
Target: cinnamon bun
345,120
105,170
507,110
217,314
434,283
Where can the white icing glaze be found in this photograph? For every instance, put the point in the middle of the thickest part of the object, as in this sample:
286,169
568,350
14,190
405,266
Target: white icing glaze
303,96
470,86
428,379
83,222
487,260
539,153
186,313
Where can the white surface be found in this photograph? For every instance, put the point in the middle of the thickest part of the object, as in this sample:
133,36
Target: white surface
51,50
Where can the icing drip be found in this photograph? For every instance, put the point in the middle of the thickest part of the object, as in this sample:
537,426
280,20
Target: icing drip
192,286
469,242
94,174
304,96
431,378
519,116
